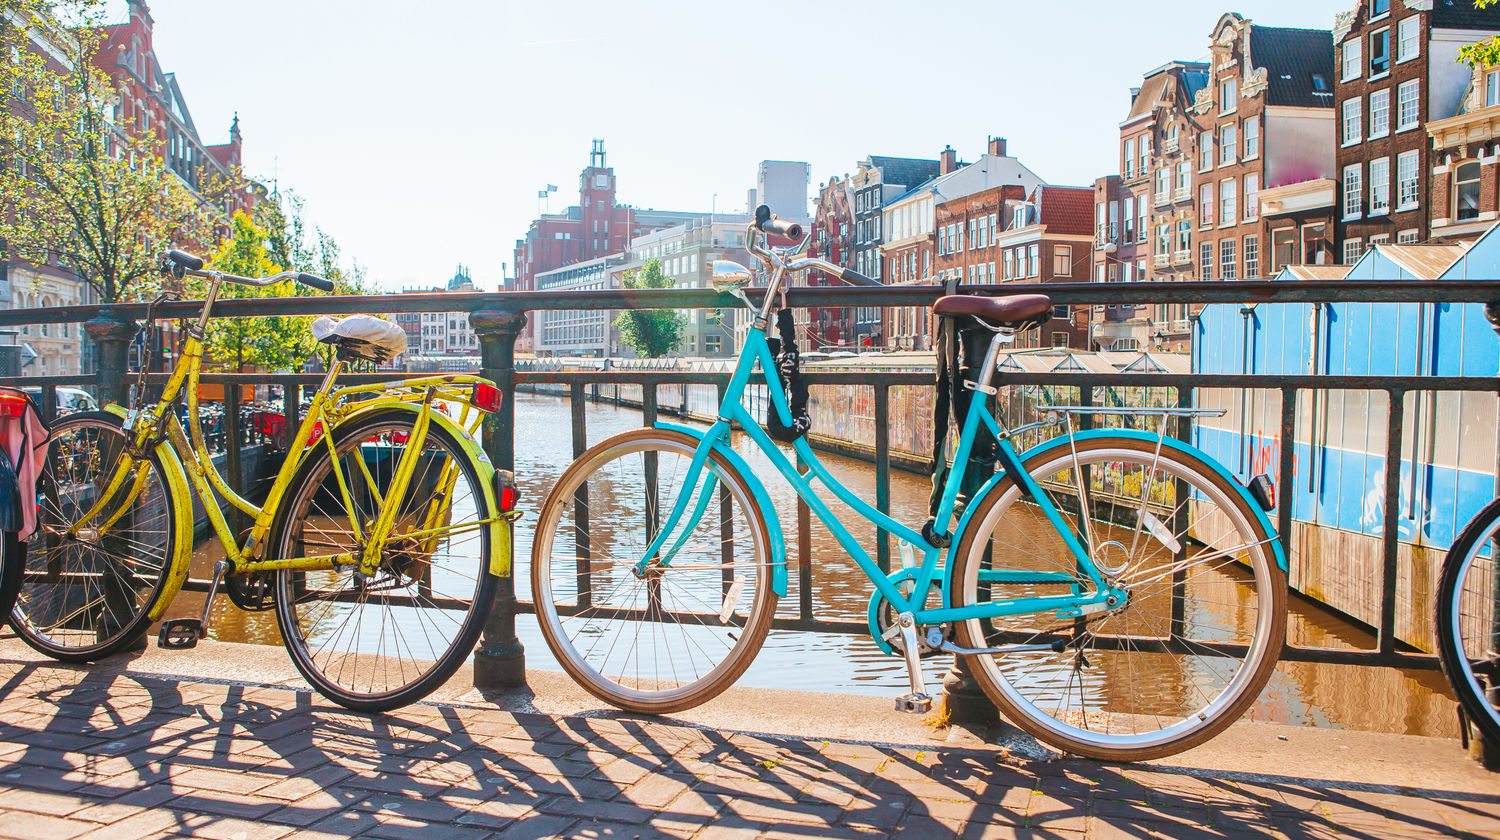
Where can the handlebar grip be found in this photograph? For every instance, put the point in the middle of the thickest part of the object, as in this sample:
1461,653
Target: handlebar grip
854,278
186,260
322,284
779,227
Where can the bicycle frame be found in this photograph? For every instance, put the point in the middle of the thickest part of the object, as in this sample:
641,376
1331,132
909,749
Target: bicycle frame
732,410
159,426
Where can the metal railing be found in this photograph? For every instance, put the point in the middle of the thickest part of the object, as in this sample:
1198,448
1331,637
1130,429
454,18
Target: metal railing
499,318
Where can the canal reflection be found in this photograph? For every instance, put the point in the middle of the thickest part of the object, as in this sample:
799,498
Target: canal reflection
1368,698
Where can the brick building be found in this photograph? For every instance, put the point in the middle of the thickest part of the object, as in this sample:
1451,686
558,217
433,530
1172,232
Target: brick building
833,231
1396,73
1266,122
597,225
1047,237
878,180
1464,196
967,227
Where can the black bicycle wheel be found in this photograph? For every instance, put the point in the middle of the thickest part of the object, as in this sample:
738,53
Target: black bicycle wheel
1468,620
393,639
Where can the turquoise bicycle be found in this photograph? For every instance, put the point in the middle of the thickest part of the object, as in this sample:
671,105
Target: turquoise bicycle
1118,593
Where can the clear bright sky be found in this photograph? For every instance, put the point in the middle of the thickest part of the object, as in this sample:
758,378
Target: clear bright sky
420,133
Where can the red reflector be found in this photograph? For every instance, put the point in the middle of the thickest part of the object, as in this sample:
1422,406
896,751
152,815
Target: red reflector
508,498
12,405
486,397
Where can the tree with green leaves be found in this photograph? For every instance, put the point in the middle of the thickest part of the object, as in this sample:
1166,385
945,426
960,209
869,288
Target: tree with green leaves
651,333
1485,52
75,187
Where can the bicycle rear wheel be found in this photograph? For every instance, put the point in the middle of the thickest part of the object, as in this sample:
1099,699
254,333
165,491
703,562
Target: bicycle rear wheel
1468,620
1188,650
396,638
87,596
682,631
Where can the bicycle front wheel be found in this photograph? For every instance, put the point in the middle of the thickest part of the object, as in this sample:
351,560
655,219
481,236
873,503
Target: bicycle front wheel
1188,649
1468,620
678,630
393,639
87,594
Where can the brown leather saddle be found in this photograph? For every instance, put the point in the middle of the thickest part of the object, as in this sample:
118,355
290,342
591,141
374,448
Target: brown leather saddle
1017,312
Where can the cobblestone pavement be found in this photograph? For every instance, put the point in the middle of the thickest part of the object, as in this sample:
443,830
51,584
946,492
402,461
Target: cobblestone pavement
119,755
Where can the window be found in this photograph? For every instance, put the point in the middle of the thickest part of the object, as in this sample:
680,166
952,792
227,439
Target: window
1354,192
1205,261
1228,95
1252,257
1380,113
1184,237
1407,104
1062,312
1129,159
1379,8
1252,138
1206,205
1492,88
1005,271
1033,260
1163,175
1229,145
1352,128
1353,250
1140,219
1252,196
1163,239
1128,218
1354,62
1228,199
1184,179
1228,265
1380,53
1145,159
1407,237
1380,186
1283,247
1059,339
1205,151
1466,191
1062,260
1406,181
1408,40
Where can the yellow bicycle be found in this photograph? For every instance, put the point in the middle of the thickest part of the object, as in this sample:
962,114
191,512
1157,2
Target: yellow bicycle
379,545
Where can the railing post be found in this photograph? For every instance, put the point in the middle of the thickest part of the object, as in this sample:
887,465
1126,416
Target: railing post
112,337
500,661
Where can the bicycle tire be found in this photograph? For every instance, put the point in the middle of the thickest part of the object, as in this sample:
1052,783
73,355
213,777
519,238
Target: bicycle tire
417,585
1136,715
700,592
56,611
1468,642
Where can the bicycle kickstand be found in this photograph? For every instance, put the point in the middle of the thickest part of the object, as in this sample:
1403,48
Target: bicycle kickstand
184,633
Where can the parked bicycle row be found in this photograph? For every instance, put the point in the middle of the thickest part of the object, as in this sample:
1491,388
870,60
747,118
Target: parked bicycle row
1074,576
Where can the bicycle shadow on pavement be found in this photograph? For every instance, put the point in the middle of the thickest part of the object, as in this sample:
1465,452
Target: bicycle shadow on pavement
94,748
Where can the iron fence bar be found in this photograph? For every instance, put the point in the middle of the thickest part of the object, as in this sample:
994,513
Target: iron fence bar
582,544
1395,431
1287,453
883,472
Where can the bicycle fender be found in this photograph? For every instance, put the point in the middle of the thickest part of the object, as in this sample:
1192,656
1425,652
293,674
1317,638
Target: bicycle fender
762,499
175,478
1168,443
501,528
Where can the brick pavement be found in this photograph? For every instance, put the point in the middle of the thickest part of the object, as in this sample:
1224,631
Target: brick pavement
106,753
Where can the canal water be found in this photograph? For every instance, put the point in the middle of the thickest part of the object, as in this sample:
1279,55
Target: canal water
1376,699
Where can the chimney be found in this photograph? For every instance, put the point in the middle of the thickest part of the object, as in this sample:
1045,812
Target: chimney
947,161
997,146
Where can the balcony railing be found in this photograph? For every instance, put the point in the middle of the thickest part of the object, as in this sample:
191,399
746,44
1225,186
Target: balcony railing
500,318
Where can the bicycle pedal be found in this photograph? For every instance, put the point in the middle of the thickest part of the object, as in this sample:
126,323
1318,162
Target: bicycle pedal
914,704
180,634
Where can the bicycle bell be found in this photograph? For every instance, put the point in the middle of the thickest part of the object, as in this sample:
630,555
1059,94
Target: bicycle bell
730,276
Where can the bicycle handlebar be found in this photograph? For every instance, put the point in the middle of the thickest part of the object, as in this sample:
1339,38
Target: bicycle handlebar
183,263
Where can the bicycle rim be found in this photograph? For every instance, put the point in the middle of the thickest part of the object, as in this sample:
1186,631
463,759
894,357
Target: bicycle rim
1196,638
394,639
1467,611
685,628
88,596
